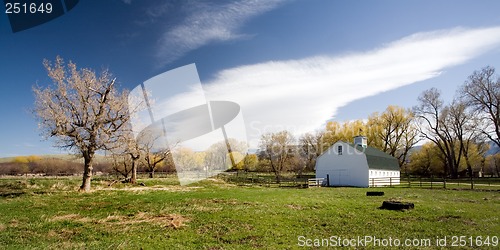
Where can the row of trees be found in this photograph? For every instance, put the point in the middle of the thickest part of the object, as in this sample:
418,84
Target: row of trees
458,134
429,161
393,131
462,130
86,113
36,165
54,166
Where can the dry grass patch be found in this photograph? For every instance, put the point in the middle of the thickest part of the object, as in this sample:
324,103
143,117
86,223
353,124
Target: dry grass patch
13,223
2,227
450,218
65,234
215,204
175,221
169,220
224,201
201,208
71,217
139,189
294,206
71,245
60,186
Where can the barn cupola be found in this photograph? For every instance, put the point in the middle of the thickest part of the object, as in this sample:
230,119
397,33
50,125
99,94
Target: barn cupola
361,141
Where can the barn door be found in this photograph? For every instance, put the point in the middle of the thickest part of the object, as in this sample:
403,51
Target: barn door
340,177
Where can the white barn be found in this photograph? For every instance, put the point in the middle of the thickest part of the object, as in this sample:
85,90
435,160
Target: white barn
357,165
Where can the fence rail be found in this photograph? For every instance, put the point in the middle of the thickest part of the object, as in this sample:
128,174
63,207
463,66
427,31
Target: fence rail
383,181
315,182
269,180
266,180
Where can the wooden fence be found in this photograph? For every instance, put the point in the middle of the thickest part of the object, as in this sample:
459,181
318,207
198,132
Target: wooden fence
264,180
315,182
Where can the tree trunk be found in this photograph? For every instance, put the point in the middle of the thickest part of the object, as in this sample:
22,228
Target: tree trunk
152,173
453,167
497,168
133,178
277,175
87,172
470,172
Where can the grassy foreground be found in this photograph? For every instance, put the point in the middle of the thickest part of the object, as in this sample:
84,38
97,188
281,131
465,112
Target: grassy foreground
51,214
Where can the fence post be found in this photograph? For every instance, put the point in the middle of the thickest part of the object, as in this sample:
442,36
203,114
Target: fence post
431,182
327,180
390,181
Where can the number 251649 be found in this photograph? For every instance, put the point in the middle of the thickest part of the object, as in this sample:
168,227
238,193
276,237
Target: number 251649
28,8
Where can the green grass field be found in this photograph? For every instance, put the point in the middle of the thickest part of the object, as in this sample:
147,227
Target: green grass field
49,213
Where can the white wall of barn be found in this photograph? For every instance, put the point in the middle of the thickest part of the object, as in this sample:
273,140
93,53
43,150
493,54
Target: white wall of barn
384,177
347,169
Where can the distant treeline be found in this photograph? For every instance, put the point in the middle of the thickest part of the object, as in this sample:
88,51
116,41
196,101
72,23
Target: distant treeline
22,165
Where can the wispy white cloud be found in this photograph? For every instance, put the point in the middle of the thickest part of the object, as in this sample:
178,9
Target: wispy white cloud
302,94
208,23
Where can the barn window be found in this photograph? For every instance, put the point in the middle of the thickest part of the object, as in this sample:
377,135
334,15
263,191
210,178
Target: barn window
339,149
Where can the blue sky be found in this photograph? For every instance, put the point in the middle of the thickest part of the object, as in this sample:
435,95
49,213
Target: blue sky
289,64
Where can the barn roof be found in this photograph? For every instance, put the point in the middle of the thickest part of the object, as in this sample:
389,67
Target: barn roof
378,159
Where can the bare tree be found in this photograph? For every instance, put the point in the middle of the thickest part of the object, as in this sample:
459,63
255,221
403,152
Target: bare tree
130,149
276,147
312,146
465,125
121,165
482,92
153,156
82,111
438,124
